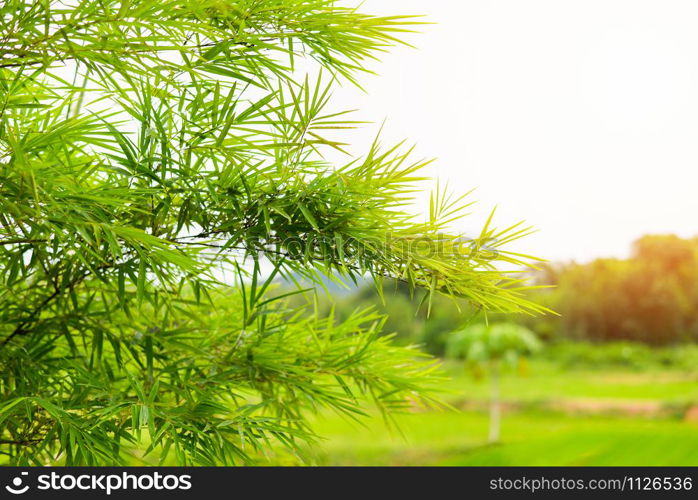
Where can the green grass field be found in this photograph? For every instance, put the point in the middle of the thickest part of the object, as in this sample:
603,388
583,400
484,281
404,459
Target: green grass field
546,381
553,416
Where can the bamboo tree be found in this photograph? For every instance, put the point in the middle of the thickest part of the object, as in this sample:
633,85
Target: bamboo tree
161,166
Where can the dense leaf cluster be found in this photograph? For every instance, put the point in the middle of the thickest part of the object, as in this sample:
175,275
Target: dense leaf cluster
160,166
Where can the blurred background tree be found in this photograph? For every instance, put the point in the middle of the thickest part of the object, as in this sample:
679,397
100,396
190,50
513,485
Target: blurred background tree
650,297
490,347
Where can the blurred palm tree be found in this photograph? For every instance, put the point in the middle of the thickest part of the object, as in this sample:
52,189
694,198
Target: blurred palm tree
491,346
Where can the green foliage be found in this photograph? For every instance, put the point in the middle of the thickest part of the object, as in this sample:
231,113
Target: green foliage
200,386
406,317
151,154
482,343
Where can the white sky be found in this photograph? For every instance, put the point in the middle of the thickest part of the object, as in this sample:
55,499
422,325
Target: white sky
579,117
